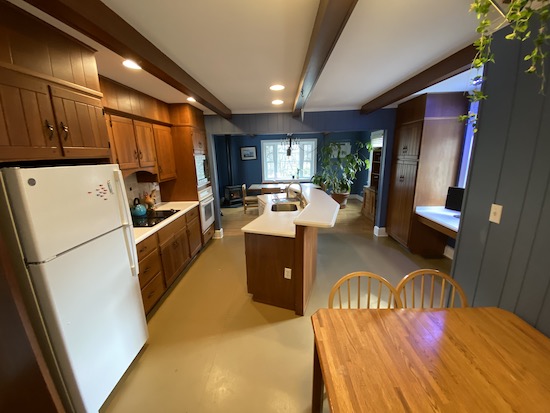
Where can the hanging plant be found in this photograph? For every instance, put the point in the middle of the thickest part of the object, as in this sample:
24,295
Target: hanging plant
519,14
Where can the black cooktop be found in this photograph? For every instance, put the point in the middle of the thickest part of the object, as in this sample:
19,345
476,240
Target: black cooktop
152,218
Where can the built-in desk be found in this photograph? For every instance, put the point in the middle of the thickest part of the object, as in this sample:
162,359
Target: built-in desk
439,218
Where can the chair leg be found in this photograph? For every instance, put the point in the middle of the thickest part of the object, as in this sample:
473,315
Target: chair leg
244,203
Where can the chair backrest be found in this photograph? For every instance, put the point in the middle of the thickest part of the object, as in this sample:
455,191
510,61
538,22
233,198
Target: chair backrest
363,290
430,289
243,188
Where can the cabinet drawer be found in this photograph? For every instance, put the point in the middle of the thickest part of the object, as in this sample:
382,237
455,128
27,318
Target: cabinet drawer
165,233
208,234
191,215
152,292
148,267
145,247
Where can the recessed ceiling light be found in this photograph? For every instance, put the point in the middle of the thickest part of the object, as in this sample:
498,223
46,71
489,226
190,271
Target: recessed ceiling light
130,64
277,102
276,87
190,99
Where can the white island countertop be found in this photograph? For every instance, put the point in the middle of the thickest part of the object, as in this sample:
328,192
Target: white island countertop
141,233
321,211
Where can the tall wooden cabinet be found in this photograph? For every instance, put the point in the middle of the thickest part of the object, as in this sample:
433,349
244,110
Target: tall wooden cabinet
426,155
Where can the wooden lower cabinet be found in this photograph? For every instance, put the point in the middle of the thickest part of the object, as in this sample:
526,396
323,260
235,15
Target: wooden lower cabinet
174,249
369,203
151,278
401,203
164,255
208,234
194,231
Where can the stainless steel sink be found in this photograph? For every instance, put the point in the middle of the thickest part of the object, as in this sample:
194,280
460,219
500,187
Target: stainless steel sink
284,207
285,200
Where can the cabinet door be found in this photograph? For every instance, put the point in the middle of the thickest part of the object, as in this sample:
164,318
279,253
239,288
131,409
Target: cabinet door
145,143
199,140
27,124
195,236
125,142
408,140
81,124
175,255
401,200
166,162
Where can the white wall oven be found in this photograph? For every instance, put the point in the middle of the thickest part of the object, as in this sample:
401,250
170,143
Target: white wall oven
201,167
206,207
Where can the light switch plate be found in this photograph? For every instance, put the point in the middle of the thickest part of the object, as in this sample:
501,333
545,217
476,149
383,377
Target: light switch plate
288,273
496,213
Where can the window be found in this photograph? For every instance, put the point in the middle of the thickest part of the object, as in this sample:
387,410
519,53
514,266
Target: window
278,166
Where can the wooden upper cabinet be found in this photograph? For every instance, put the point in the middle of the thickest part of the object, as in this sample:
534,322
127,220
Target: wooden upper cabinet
408,140
166,163
134,143
50,104
27,123
80,123
39,120
199,140
125,142
145,143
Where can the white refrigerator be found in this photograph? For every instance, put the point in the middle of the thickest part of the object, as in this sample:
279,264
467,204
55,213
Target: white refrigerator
76,236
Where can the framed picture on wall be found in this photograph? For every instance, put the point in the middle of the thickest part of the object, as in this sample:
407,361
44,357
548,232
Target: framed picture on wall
248,153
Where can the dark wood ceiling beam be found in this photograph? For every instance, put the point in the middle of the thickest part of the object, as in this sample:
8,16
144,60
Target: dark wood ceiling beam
100,23
453,65
331,19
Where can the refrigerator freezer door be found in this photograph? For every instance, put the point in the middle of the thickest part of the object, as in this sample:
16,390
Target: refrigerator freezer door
58,208
94,315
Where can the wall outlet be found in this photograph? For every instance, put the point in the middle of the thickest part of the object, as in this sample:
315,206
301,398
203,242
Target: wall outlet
288,273
496,213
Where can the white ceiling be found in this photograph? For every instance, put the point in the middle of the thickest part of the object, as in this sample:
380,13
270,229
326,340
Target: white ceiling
236,49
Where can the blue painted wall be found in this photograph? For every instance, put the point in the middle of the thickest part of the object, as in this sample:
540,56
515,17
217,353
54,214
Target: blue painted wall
507,264
341,125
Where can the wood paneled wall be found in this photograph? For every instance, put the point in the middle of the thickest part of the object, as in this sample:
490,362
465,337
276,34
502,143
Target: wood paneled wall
29,43
508,264
119,98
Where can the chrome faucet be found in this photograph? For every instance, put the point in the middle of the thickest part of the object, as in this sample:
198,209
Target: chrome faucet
300,196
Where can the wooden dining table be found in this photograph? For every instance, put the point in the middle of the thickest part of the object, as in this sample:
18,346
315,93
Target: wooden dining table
480,359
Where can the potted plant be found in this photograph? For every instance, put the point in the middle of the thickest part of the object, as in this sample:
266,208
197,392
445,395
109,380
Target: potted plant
339,168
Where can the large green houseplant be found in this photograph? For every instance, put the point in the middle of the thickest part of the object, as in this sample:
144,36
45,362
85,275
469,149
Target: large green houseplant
339,168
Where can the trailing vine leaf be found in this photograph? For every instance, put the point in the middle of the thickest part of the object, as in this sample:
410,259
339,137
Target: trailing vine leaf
519,15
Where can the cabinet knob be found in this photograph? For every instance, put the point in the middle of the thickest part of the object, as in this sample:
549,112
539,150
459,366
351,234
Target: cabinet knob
49,126
65,129
140,155
401,178
135,154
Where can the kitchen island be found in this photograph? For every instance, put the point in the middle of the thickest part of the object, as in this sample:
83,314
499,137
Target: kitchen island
281,248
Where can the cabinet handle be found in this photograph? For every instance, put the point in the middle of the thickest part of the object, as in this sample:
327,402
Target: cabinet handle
405,149
146,270
49,126
135,154
401,178
140,155
65,129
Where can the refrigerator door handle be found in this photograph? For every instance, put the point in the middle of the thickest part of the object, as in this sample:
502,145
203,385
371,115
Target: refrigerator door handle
126,223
